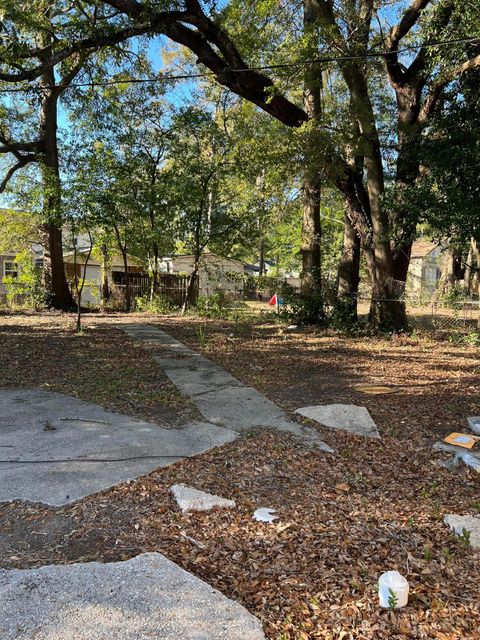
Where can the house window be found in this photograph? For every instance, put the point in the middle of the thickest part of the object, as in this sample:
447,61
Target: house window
10,268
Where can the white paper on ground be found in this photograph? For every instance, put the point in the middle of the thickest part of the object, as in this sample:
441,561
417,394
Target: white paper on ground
265,515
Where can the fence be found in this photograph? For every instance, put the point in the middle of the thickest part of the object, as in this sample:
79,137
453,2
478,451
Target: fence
171,286
463,317
436,316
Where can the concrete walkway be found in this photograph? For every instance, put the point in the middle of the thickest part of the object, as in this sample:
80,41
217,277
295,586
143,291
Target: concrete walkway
57,449
146,598
221,399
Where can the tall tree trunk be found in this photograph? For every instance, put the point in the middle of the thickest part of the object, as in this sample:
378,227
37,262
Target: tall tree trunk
311,224
155,270
197,252
261,256
387,309
448,271
349,271
105,280
192,280
476,253
401,261
58,294
128,294
407,173
260,184
467,278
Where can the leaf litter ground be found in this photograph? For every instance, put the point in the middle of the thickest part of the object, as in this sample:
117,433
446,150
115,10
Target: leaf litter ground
343,520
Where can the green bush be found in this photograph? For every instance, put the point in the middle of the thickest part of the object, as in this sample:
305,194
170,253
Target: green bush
454,298
158,304
301,308
212,306
26,290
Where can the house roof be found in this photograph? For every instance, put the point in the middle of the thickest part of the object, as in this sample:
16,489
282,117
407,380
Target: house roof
421,248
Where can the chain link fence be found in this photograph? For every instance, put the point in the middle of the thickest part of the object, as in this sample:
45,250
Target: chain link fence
435,315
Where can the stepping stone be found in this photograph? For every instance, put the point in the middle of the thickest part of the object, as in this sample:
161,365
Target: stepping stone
146,333
347,417
146,597
192,362
190,499
471,523
84,448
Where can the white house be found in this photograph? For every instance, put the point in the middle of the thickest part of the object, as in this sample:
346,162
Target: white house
214,272
115,274
425,268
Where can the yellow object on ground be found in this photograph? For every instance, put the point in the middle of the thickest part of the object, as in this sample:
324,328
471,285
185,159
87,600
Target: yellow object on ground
374,389
462,440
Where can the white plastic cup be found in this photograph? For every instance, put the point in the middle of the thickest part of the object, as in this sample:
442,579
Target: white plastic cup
391,583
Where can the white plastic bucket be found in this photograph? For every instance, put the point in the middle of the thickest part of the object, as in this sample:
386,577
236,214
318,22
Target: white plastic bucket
392,586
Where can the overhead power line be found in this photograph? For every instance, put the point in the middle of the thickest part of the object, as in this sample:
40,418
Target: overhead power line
268,67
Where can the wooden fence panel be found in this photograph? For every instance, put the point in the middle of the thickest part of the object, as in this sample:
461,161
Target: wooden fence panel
171,286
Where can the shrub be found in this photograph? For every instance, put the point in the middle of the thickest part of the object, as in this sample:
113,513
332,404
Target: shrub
158,304
211,306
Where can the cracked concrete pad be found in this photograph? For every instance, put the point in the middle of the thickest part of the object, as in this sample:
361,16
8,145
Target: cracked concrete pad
244,408
458,523
146,598
84,448
190,499
348,417
221,398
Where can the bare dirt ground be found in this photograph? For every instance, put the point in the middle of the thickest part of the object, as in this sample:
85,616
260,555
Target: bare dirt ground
343,520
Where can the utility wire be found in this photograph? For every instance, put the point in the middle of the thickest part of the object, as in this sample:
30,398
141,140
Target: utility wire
63,460
269,67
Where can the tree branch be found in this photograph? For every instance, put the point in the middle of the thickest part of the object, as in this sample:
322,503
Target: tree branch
409,19
215,49
93,42
436,90
13,169
399,31
17,147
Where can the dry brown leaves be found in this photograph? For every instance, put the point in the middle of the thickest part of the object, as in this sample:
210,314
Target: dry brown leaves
343,520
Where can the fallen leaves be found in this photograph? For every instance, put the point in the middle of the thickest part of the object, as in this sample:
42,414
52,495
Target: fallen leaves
343,520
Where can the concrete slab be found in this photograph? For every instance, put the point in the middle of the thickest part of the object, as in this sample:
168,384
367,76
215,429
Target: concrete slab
265,514
190,499
201,380
470,523
221,398
192,363
244,408
146,333
147,597
57,449
348,417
